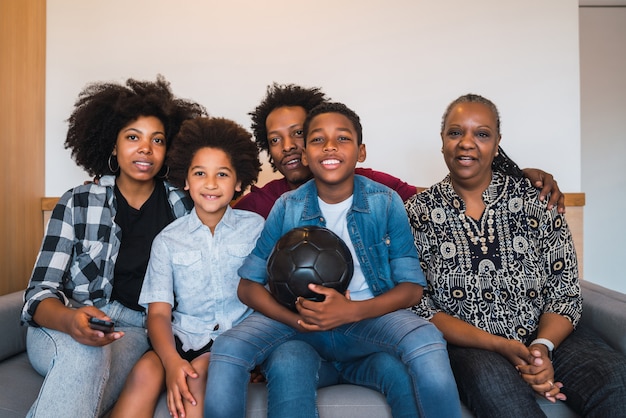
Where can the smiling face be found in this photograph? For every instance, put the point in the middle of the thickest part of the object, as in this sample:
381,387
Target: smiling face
140,150
470,142
332,152
211,182
286,143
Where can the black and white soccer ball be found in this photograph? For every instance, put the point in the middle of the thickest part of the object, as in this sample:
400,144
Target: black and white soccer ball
308,254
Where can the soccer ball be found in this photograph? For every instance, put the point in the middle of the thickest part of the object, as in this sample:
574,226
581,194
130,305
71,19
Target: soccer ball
308,254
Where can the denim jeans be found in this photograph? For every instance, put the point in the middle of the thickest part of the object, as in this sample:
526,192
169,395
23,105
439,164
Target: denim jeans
81,380
294,372
415,341
593,377
387,374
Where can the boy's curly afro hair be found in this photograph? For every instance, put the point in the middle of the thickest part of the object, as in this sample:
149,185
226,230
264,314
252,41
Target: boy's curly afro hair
282,95
219,133
103,109
340,108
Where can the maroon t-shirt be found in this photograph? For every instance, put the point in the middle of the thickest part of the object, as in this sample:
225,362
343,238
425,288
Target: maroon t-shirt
261,199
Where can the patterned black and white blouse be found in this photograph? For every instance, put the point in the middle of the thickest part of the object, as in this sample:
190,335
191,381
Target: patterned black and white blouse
501,272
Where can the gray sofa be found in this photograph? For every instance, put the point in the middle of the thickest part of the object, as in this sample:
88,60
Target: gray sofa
604,312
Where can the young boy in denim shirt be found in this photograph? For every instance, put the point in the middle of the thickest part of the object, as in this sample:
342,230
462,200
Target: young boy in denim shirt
371,317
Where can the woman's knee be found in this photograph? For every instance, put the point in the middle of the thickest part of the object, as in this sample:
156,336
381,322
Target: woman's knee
486,378
50,348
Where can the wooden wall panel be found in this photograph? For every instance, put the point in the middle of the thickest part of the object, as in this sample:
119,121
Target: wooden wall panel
22,118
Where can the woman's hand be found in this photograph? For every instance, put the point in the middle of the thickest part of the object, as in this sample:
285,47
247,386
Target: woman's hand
514,351
176,374
534,367
78,327
539,374
53,314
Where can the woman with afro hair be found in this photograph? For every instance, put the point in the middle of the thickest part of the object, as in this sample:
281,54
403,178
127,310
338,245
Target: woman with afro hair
95,251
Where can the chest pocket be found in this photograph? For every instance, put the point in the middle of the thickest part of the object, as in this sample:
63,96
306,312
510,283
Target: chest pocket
188,275
87,258
236,255
188,260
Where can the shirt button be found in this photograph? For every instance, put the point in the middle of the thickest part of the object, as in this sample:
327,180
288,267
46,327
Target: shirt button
217,326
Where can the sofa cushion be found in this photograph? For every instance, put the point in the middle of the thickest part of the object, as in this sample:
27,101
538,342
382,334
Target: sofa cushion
10,309
341,401
19,384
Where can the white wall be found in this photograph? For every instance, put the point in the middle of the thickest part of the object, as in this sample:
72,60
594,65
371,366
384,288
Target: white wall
603,112
397,63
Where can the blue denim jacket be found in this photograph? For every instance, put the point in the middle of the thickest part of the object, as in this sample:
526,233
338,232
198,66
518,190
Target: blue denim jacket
378,227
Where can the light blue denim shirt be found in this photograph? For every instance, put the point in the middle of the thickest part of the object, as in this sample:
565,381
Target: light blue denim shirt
196,272
378,227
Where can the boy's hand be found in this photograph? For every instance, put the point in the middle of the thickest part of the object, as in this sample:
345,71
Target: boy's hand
335,310
176,374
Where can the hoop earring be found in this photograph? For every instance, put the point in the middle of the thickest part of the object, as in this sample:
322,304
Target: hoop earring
111,165
167,172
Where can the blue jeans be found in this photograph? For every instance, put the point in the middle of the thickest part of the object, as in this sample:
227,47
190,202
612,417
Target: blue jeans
415,341
593,377
295,371
81,380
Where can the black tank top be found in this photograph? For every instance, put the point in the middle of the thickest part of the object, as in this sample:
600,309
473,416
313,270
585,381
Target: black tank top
139,227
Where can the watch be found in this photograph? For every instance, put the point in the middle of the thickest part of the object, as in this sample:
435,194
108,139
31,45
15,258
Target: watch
544,341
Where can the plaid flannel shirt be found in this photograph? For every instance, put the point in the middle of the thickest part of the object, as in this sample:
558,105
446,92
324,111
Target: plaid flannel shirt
77,256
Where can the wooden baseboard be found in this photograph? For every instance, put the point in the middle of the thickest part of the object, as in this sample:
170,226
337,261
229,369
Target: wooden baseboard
574,199
48,203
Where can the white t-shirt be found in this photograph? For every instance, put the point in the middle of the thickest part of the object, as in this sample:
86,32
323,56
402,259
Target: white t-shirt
336,221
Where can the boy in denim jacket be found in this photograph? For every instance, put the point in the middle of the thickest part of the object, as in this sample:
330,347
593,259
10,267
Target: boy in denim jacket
371,316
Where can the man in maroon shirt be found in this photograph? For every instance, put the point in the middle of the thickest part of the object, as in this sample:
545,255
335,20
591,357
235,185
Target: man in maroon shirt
277,124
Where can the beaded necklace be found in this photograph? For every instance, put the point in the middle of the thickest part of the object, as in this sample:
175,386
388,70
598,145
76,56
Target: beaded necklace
478,238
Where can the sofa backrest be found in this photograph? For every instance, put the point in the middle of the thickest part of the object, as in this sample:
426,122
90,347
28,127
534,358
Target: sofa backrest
12,333
604,312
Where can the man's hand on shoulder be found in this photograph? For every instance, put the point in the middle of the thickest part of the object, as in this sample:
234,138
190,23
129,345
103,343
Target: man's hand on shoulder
548,185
